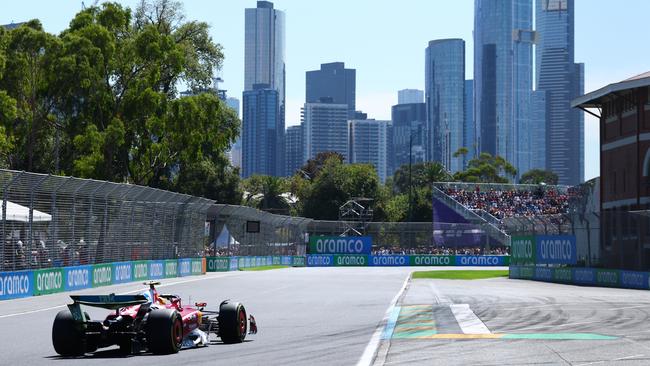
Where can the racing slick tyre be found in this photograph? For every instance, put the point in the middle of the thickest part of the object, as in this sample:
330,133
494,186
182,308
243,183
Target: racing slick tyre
67,338
232,322
164,331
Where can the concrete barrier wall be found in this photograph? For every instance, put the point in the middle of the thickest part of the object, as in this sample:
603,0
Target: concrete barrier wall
583,276
52,280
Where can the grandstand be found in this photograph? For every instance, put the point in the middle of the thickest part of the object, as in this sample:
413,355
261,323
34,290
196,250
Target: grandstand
503,209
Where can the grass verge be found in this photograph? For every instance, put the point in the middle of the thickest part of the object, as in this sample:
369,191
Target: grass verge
263,268
461,275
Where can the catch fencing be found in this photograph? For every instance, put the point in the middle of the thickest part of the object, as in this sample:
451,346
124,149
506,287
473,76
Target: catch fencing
419,237
276,235
609,239
52,221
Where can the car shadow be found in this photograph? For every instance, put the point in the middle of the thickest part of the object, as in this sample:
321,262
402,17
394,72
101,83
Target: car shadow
116,353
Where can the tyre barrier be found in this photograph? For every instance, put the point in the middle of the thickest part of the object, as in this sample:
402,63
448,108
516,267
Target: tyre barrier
583,276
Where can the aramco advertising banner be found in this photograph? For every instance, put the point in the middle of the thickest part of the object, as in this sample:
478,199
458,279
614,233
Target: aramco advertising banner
544,249
340,245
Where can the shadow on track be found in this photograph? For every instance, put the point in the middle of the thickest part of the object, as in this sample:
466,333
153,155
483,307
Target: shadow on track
116,353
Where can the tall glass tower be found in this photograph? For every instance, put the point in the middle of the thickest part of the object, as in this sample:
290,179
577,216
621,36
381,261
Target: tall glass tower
334,81
264,64
259,137
503,78
444,97
562,81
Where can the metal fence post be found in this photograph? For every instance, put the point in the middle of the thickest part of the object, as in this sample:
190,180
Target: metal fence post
74,209
5,194
30,235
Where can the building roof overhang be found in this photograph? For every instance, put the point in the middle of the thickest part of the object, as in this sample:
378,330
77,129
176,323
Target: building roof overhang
596,98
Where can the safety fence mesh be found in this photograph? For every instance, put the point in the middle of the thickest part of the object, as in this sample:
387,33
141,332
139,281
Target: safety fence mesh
53,221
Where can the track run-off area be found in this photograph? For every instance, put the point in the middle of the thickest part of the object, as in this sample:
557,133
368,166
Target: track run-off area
373,316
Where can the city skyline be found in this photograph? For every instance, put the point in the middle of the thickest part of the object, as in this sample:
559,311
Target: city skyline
376,89
263,120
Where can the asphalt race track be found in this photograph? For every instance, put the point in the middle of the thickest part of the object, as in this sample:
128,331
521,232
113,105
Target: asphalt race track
315,316
328,316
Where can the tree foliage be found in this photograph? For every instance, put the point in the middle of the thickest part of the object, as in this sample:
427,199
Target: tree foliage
487,169
266,193
313,166
537,176
101,98
422,175
334,184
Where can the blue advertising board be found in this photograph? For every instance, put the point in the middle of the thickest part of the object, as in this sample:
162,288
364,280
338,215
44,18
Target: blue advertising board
555,249
340,244
122,272
514,272
156,269
388,260
77,278
543,274
482,260
16,284
184,267
286,260
631,279
234,264
584,276
320,260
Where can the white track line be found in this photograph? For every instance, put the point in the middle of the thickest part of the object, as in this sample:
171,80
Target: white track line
616,359
467,320
128,292
368,356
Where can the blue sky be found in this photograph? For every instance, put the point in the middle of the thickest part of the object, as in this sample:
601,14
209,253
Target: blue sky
385,41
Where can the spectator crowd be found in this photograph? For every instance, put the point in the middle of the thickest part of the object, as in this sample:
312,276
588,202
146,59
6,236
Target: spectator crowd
508,203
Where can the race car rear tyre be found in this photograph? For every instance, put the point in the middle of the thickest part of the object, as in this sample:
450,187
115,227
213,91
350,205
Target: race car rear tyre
164,331
67,338
233,323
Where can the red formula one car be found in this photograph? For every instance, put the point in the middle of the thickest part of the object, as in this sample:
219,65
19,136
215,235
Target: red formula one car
151,322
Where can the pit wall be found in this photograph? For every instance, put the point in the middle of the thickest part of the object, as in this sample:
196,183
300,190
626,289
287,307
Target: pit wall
583,276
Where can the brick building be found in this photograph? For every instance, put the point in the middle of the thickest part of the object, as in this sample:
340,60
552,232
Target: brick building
623,109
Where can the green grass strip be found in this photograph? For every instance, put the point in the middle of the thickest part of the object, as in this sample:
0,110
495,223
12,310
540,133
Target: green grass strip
461,275
263,268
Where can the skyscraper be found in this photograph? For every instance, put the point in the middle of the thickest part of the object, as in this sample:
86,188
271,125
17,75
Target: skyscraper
503,72
325,128
259,135
408,135
264,64
334,81
445,95
562,80
470,140
235,150
294,149
407,96
368,144
538,130
233,103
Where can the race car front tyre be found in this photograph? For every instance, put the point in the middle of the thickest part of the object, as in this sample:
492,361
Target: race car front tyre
66,336
164,331
232,322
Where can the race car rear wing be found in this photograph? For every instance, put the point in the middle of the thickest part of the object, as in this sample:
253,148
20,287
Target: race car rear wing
111,301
